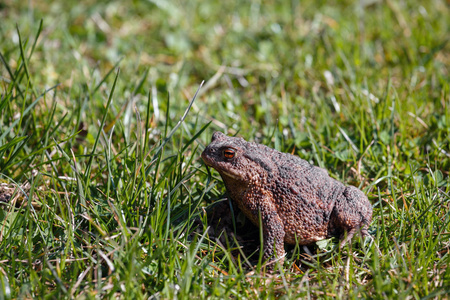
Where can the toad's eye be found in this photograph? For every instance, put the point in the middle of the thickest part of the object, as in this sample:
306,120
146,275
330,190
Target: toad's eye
229,153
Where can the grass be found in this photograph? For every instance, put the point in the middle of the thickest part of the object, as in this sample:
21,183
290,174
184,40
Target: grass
103,154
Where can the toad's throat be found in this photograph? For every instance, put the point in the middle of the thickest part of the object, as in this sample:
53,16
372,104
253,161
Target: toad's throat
229,175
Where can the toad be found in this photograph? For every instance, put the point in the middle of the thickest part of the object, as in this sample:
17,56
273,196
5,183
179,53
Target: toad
294,201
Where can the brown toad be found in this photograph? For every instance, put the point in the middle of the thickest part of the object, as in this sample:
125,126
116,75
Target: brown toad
296,201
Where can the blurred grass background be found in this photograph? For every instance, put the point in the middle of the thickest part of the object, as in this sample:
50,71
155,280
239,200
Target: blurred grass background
358,87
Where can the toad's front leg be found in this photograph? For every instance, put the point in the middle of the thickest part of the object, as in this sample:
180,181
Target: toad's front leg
273,235
262,212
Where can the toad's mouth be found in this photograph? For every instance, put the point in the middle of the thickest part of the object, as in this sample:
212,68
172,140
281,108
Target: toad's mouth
219,168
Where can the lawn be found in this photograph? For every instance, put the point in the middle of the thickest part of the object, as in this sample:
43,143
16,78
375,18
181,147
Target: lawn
103,118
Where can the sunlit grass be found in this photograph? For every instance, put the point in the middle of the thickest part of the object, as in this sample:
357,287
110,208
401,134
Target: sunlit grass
101,181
